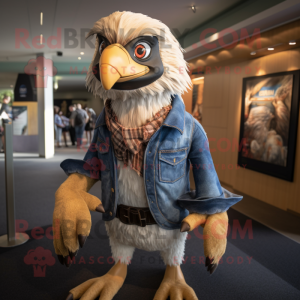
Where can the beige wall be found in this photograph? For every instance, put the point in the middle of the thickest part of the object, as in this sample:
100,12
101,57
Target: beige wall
221,119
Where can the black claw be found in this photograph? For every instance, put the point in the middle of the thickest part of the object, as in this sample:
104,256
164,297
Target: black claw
67,261
72,255
185,227
213,268
82,239
60,259
70,297
207,261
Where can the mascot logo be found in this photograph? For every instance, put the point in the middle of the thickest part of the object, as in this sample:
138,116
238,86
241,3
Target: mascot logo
39,258
41,68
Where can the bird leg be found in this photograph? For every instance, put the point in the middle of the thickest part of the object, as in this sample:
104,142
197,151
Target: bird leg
214,235
174,286
105,286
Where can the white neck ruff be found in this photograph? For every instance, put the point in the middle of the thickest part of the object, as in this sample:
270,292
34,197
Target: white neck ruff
133,113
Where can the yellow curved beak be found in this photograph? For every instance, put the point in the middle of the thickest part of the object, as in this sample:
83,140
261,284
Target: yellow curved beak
116,65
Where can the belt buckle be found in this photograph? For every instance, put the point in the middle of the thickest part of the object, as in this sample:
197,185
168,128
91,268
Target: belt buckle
128,216
142,218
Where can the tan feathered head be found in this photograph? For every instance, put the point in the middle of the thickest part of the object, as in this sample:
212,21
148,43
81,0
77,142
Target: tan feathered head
138,57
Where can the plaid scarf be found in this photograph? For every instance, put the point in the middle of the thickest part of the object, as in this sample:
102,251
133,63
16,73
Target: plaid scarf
130,143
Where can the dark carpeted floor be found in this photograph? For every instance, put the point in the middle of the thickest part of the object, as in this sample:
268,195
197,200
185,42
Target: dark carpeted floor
258,264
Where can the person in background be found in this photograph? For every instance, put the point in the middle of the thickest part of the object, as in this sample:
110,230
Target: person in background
65,129
58,125
87,127
90,125
92,122
72,108
4,118
78,119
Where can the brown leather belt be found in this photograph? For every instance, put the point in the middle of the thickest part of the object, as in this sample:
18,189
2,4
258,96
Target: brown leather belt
140,216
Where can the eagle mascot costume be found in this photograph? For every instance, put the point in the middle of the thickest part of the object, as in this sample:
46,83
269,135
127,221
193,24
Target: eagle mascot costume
144,146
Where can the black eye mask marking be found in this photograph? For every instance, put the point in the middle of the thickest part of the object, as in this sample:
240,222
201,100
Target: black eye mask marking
153,62
102,40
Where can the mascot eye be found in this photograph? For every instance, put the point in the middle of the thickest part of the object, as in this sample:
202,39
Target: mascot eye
102,46
142,50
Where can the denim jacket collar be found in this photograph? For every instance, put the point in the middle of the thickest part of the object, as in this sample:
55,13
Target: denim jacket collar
175,118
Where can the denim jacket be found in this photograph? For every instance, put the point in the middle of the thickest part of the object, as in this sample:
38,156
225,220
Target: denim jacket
179,145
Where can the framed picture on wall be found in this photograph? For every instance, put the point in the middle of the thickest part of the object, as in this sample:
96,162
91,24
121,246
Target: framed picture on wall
20,120
269,121
197,98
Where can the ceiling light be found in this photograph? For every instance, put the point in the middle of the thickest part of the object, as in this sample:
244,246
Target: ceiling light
193,8
270,49
292,43
81,53
253,53
41,38
55,85
41,18
79,57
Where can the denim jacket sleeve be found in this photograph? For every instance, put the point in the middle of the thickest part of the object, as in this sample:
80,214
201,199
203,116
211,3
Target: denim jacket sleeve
209,197
90,166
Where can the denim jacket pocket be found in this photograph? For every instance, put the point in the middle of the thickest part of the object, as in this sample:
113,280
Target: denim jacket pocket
172,164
